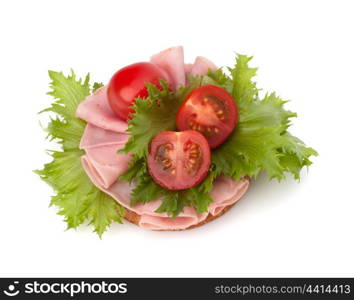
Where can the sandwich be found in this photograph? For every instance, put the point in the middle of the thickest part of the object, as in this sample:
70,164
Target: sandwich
165,145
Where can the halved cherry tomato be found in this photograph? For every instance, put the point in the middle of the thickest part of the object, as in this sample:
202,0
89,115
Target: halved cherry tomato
178,160
129,83
210,110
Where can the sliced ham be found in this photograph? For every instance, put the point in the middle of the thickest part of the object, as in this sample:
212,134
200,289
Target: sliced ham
172,62
96,111
105,133
102,159
188,68
165,223
201,66
95,136
226,192
105,175
105,163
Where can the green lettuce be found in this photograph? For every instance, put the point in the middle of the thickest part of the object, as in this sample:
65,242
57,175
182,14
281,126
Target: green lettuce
76,197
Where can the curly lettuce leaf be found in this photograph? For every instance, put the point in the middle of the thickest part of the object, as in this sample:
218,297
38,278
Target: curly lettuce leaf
152,115
76,197
261,141
96,86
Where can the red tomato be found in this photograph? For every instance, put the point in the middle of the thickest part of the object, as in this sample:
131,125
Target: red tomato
210,110
179,160
129,83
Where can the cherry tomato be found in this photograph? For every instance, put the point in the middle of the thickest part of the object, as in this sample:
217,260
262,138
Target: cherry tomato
129,83
178,160
210,110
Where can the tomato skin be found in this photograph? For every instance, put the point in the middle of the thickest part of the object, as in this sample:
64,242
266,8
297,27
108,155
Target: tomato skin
210,110
178,160
129,83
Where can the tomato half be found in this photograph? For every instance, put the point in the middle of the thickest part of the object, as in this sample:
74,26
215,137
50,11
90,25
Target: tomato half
129,83
210,110
178,160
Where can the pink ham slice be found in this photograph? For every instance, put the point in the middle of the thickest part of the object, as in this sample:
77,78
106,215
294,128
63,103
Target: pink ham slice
101,159
172,62
96,110
188,68
201,66
165,223
95,136
105,134
105,173
226,192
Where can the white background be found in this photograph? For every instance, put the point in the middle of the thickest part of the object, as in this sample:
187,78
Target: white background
305,52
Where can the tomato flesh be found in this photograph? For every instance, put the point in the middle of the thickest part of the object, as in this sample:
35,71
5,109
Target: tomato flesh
211,111
129,83
179,160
